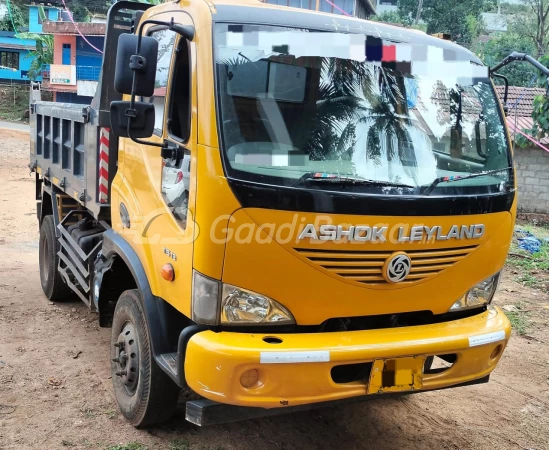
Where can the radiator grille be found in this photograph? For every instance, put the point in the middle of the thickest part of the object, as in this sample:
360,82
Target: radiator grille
367,266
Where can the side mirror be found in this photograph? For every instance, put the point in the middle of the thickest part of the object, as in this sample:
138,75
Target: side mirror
141,119
143,65
135,74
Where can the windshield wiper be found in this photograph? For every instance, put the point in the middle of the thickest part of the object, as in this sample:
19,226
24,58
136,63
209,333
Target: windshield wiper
338,179
451,179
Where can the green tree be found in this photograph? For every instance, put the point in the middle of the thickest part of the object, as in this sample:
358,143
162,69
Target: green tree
500,46
80,12
43,53
395,18
540,115
17,15
392,17
461,19
531,20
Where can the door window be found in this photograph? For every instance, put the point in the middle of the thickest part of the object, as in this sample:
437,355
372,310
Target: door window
166,40
176,172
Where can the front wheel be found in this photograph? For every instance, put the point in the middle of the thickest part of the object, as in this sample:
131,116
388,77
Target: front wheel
144,393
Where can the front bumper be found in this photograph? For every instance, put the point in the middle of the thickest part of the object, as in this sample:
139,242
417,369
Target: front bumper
215,362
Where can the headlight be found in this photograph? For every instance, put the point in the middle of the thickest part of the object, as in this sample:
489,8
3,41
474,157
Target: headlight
479,295
243,307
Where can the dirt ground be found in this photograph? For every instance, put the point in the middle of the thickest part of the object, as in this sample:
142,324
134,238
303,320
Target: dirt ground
55,386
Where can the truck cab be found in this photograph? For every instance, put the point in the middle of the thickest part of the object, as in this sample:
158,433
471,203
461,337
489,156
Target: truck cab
303,209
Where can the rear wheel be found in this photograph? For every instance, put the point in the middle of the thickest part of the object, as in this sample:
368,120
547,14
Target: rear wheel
52,282
144,393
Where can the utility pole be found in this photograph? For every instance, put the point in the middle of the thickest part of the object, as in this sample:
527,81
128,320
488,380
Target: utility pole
418,15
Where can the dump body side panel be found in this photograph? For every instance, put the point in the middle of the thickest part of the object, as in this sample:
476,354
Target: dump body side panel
71,144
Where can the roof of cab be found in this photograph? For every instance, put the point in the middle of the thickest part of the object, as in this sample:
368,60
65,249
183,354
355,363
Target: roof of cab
257,12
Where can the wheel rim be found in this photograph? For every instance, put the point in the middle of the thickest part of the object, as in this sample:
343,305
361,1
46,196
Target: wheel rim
44,258
127,358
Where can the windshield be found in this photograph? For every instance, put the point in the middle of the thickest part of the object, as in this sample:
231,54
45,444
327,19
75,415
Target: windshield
297,105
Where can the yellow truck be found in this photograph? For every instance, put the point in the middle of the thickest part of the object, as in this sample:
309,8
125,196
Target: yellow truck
278,209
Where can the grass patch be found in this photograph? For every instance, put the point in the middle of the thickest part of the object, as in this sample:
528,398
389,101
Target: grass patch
528,280
519,321
111,414
537,261
532,269
179,444
13,102
130,446
88,413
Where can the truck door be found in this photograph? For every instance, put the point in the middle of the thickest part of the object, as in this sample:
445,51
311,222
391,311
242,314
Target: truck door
169,229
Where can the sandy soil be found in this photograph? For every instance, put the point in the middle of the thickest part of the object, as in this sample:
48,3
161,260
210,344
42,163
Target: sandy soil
55,387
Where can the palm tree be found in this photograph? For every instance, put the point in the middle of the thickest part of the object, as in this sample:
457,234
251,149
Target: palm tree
351,93
338,108
388,117
359,93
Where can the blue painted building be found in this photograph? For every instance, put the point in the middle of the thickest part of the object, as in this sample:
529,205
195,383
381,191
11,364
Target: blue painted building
35,17
15,53
83,53
15,57
89,60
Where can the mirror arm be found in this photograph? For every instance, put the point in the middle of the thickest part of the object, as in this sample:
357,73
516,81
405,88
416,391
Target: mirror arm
131,113
516,56
506,91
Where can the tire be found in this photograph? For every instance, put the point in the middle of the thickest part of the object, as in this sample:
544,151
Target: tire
144,393
53,284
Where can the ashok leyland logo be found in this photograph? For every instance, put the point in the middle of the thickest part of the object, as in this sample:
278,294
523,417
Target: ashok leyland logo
397,267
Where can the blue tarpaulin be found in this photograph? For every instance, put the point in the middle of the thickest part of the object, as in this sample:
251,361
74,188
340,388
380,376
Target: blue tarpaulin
527,241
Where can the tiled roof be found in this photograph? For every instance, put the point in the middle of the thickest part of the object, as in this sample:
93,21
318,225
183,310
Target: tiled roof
17,46
522,123
520,99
